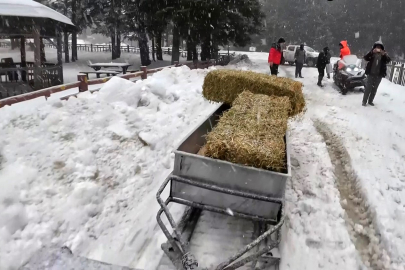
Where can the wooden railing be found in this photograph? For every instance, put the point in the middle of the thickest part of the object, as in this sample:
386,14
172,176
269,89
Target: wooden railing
396,73
82,84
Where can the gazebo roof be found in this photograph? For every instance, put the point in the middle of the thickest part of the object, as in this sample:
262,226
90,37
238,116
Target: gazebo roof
19,17
32,9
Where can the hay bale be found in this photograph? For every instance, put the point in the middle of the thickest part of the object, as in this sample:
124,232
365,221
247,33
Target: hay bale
252,132
225,86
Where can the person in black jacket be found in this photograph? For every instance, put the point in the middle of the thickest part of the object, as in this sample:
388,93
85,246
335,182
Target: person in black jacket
376,70
321,64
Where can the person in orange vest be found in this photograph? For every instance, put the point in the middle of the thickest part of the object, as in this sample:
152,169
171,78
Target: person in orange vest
344,49
275,55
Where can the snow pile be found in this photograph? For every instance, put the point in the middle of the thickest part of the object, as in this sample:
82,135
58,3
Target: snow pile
72,170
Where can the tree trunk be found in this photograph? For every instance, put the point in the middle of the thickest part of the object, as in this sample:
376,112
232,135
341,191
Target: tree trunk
118,49
176,45
66,46
74,47
195,54
74,33
113,47
153,49
66,35
206,50
159,52
143,48
189,49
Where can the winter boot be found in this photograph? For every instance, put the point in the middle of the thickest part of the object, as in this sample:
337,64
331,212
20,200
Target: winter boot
320,81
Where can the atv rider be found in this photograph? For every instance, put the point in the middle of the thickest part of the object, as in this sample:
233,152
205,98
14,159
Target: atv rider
376,70
323,60
275,56
344,49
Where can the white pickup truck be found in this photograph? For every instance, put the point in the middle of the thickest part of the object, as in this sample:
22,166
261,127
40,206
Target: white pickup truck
311,55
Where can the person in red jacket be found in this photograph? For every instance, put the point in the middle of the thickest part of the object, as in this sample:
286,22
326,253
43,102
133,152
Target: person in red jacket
344,49
275,56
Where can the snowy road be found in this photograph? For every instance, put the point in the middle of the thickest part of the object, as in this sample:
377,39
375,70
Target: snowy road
366,147
85,173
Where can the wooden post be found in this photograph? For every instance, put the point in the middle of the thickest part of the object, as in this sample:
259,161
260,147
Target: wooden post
91,47
83,86
37,58
59,54
23,59
128,47
145,74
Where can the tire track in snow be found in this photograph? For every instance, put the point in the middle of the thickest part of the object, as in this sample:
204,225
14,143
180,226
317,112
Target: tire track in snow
359,218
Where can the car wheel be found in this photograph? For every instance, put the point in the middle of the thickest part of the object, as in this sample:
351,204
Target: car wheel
311,62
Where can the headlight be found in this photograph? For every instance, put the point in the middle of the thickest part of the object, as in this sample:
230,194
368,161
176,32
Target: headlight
356,69
348,69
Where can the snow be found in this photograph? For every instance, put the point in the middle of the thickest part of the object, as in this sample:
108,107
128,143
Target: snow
85,171
373,138
29,8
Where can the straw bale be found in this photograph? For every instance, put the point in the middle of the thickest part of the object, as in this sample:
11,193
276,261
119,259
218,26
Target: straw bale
251,132
225,86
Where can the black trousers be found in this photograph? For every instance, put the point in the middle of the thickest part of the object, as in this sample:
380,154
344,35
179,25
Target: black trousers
298,69
274,69
371,88
321,72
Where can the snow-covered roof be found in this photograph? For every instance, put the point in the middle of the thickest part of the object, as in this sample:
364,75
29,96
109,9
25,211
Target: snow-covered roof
29,8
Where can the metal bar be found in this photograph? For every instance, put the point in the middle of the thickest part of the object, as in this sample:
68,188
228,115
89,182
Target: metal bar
251,257
168,215
254,243
226,190
221,210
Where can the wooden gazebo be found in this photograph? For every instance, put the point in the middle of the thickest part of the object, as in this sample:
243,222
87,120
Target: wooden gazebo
26,19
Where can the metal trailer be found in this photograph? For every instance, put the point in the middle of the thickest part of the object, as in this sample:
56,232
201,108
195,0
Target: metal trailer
205,184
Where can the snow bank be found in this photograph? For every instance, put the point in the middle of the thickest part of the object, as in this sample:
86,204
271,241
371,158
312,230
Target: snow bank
73,172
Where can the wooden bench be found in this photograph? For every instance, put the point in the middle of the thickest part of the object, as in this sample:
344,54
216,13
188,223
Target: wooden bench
100,72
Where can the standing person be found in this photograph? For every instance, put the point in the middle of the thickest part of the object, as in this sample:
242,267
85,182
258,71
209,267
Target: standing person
321,65
275,56
299,60
344,49
376,70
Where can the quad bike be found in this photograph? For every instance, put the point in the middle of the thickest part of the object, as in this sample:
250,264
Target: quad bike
348,74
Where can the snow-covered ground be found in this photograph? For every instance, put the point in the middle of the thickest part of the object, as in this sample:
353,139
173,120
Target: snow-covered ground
84,172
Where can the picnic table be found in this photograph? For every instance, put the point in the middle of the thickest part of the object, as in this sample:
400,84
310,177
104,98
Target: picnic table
98,66
101,72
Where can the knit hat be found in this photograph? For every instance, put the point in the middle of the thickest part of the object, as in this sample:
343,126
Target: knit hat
281,40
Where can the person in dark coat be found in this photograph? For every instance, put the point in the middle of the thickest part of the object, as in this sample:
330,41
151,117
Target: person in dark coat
376,69
299,57
275,56
321,64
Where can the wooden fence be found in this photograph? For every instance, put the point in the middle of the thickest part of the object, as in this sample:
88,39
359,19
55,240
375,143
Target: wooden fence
82,84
